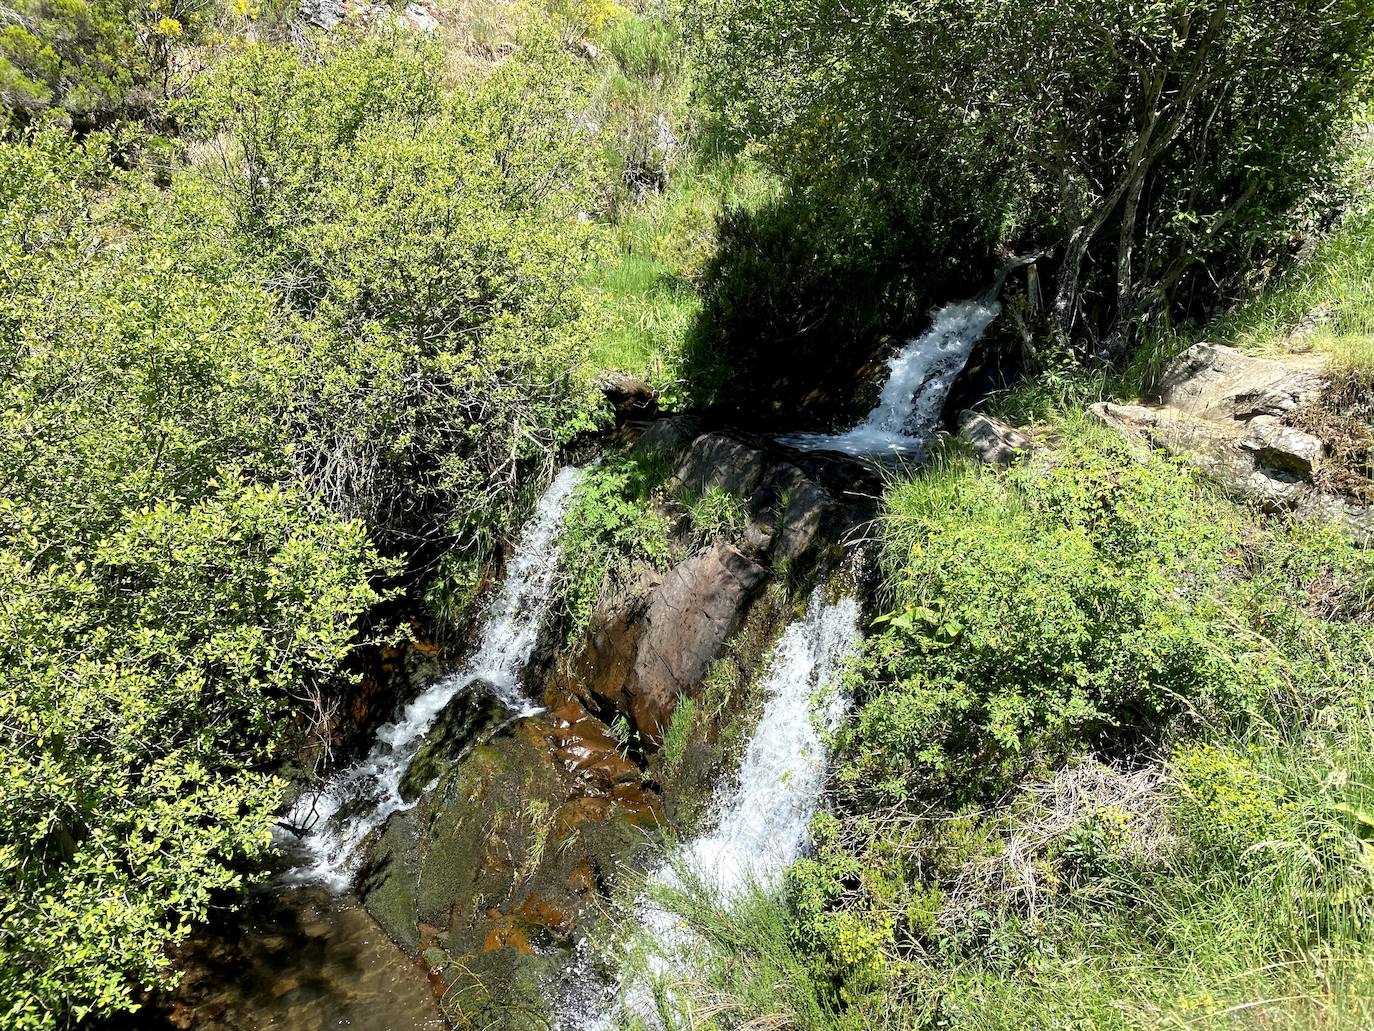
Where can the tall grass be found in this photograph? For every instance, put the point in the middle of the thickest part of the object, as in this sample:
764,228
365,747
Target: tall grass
644,292
1276,935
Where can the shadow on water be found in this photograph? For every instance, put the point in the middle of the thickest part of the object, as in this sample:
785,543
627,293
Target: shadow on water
293,959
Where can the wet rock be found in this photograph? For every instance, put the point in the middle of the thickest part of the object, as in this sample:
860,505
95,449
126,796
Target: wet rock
993,441
1220,383
715,460
458,727
803,513
488,878
644,652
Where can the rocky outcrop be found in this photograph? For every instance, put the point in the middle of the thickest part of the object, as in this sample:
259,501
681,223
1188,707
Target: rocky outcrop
521,827
715,460
629,396
643,653
1227,413
1221,384
418,15
650,645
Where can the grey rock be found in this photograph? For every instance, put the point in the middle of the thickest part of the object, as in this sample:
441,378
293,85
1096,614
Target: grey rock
667,436
715,460
1216,382
993,441
1283,447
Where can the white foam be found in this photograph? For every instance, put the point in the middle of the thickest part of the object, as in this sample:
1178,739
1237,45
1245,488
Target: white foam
360,798
919,379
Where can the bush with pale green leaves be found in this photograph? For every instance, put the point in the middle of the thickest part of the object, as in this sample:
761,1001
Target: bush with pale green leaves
236,400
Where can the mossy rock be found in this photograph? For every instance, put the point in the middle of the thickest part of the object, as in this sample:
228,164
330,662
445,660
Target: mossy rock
471,713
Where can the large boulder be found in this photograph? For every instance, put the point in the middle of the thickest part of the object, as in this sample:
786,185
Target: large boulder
643,651
667,436
1214,382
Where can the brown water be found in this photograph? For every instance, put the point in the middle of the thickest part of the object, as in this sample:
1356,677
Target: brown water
296,959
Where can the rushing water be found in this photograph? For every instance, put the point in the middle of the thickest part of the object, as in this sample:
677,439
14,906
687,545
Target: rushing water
761,822
361,798
919,379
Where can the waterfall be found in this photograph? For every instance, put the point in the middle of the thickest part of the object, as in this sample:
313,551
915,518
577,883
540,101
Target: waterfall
761,821
361,798
918,382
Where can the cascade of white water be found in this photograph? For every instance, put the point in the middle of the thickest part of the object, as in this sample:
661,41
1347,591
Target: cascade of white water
919,379
360,798
761,822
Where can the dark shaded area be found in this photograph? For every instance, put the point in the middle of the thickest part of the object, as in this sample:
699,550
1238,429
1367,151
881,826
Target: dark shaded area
806,294
294,959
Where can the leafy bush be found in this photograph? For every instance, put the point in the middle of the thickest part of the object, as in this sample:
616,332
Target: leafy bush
431,248
609,525
349,329
171,608
90,62
1034,617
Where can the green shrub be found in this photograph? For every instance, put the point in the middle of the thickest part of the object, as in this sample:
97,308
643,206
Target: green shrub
90,62
1036,615
1227,803
716,513
610,524
349,330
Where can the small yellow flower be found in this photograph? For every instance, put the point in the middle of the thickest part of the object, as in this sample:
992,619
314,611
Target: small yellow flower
169,28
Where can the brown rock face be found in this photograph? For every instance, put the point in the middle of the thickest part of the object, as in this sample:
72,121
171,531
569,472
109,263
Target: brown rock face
646,651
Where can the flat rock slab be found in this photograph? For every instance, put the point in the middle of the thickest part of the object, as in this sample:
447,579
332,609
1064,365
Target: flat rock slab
716,460
1215,382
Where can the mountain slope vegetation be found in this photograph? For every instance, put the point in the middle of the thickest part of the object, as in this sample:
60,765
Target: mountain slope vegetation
296,320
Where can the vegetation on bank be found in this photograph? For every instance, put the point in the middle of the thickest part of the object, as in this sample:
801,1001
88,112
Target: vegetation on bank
1107,760
295,322
1106,767
279,334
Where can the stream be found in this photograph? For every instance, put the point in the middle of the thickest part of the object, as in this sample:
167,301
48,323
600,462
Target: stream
303,955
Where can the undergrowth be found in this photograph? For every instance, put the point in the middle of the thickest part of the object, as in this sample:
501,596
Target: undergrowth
610,524
1108,766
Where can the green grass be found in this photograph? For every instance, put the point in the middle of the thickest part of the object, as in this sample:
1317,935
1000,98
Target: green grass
644,293
716,513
